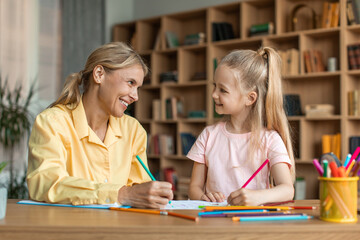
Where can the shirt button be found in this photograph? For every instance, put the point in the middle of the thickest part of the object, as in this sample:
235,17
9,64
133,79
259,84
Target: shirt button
105,180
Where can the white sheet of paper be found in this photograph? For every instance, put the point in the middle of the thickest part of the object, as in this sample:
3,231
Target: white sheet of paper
191,204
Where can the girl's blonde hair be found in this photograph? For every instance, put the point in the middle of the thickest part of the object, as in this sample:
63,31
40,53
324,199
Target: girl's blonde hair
260,71
111,56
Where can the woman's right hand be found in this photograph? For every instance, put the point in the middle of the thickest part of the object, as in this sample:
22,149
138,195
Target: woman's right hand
154,194
213,197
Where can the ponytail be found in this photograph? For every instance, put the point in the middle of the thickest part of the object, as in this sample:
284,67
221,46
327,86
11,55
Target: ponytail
71,91
275,117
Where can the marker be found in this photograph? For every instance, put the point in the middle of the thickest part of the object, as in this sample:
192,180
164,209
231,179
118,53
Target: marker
325,163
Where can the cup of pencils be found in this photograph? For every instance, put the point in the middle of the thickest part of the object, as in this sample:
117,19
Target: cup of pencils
338,190
338,199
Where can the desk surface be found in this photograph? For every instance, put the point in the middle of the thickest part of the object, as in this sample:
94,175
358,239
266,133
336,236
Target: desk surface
47,222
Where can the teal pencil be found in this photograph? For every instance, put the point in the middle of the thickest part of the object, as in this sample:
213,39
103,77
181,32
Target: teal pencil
271,218
146,169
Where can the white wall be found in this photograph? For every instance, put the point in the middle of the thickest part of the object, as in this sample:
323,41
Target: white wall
119,11
152,8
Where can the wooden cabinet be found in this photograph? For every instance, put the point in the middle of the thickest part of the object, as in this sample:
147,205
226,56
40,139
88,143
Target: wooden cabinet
149,37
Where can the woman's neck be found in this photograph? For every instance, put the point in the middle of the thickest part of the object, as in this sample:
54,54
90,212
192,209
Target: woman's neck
97,119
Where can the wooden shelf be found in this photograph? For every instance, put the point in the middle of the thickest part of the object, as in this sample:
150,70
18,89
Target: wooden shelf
189,60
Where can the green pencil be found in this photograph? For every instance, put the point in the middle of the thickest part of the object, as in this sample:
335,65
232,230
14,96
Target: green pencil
146,169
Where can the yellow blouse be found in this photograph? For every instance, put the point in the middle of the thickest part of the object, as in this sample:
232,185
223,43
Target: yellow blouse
68,163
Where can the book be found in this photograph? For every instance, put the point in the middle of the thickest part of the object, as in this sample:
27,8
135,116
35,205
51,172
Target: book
222,31
350,15
170,176
261,29
307,60
356,10
171,39
353,103
354,142
156,109
196,38
187,140
335,9
352,59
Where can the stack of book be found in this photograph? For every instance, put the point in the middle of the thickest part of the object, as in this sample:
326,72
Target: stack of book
353,103
353,11
330,14
222,31
332,143
196,38
161,144
171,76
261,29
353,51
313,61
174,107
290,61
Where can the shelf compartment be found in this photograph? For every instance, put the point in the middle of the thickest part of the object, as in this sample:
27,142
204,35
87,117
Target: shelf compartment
183,24
193,98
166,61
304,15
326,41
229,13
322,89
192,65
312,132
256,12
194,128
148,31
125,33
144,106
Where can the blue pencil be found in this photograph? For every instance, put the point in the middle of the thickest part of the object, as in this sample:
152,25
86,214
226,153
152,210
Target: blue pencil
227,212
146,169
271,218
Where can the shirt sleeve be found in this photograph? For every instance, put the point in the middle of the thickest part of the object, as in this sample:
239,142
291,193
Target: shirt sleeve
137,171
277,152
47,177
197,151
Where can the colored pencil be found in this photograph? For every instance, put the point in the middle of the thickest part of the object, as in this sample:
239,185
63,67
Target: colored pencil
347,160
157,212
232,211
318,167
356,153
145,168
259,207
277,203
252,214
349,167
271,218
255,173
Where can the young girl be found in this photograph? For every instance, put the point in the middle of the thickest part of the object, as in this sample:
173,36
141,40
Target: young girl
247,90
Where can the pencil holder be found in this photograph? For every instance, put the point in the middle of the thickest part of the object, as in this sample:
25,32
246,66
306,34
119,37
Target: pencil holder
338,199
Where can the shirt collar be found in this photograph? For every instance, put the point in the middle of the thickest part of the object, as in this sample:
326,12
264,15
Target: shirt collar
82,126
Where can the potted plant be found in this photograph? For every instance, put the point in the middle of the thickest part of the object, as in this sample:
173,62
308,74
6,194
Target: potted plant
3,194
15,124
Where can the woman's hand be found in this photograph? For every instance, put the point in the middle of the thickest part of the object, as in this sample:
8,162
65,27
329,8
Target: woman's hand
153,194
213,197
245,197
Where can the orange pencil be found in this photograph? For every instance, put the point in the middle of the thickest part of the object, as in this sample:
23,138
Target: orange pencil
196,219
157,212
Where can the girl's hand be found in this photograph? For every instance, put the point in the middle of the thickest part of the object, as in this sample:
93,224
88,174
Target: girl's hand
245,197
152,194
213,197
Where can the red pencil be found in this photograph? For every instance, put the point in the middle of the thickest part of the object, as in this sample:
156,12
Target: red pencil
255,173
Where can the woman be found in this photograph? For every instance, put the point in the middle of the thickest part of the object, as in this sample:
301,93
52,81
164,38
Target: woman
82,149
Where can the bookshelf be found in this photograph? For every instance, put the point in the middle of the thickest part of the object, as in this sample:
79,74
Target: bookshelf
149,38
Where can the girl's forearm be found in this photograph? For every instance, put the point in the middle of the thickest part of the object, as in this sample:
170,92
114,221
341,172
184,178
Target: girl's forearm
279,193
195,192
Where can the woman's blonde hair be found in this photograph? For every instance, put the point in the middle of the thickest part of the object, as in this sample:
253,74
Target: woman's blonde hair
260,71
111,56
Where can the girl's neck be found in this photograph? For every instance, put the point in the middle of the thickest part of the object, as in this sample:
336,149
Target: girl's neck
238,126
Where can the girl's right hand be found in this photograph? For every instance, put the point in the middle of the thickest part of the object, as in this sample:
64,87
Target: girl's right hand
154,194
213,197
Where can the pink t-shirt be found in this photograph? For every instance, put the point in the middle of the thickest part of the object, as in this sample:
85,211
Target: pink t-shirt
225,155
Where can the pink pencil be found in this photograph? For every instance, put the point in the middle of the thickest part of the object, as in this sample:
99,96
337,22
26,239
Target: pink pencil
353,157
255,173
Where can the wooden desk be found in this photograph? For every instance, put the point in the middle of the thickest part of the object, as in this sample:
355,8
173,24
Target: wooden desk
43,222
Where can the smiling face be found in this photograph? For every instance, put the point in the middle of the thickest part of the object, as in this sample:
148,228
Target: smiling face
119,88
226,93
